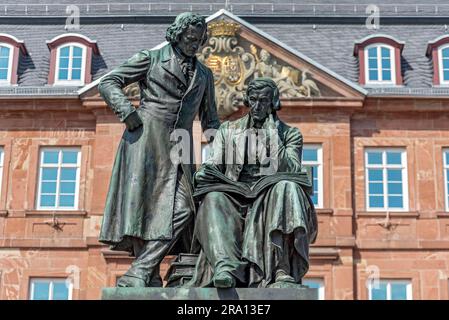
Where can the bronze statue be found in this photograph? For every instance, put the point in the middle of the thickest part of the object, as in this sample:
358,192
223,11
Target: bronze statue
256,219
149,203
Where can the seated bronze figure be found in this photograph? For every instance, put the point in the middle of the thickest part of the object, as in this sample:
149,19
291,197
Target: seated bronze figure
256,218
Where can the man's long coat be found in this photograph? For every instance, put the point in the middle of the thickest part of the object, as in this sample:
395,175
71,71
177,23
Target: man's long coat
143,182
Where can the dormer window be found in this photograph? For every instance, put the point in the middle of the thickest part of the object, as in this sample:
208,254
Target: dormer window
438,51
443,54
380,64
10,49
71,63
379,60
71,59
6,52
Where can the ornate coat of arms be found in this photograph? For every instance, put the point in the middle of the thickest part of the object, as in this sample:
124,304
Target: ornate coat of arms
235,64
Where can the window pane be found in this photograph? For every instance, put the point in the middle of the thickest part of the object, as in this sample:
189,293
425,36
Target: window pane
385,52
398,291
446,75
394,175
374,157
445,53
312,284
76,74
372,52
379,293
63,74
67,201
376,188
77,52
63,63
445,63
51,157
48,200
60,291
64,52
4,51
48,187
373,75
395,201
76,63
376,201
70,157
4,62
67,187
68,173
3,74
386,75
394,158
41,290
49,174
375,175
386,64
447,158
310,155
372,63
395,188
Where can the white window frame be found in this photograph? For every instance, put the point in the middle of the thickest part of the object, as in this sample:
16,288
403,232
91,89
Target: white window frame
319,164
440,64
7,82
378,46
321,289
407,282
51,286
446,178
2,160
204,147
70,68
403,166
58,180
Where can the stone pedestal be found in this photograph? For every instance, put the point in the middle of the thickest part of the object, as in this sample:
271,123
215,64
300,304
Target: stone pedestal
209,294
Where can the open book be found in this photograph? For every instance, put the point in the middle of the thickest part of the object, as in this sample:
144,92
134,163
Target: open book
209,179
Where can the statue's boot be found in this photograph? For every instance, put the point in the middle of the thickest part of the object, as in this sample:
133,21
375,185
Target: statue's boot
283,276
224,280
129,281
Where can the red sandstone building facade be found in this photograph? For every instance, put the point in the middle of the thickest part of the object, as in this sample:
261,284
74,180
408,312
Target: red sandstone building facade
381,162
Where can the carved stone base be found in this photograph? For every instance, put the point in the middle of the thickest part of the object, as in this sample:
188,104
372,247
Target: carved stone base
298,293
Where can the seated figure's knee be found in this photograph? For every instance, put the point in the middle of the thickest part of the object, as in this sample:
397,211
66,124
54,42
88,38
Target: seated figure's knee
214,197
285,184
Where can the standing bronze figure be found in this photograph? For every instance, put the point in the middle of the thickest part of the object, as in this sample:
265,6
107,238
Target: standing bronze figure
256,219
149,203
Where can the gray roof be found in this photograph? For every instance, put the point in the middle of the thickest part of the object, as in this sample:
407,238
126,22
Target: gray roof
329,44
245,7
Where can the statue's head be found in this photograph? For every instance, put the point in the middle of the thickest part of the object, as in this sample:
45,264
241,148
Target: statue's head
188,33
265,55
262,97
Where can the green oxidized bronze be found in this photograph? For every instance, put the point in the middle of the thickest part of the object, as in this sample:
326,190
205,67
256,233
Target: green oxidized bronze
256,218
149,204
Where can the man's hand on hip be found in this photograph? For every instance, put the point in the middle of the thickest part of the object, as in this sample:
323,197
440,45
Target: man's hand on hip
133,121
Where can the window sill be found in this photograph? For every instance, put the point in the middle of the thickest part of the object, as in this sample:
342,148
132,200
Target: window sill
324,211
443,214
70,213
383,214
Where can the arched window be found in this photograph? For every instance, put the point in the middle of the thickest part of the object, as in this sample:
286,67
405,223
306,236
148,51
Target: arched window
6,52
443,57
10,50
380,64
71,59
70,64
379,60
